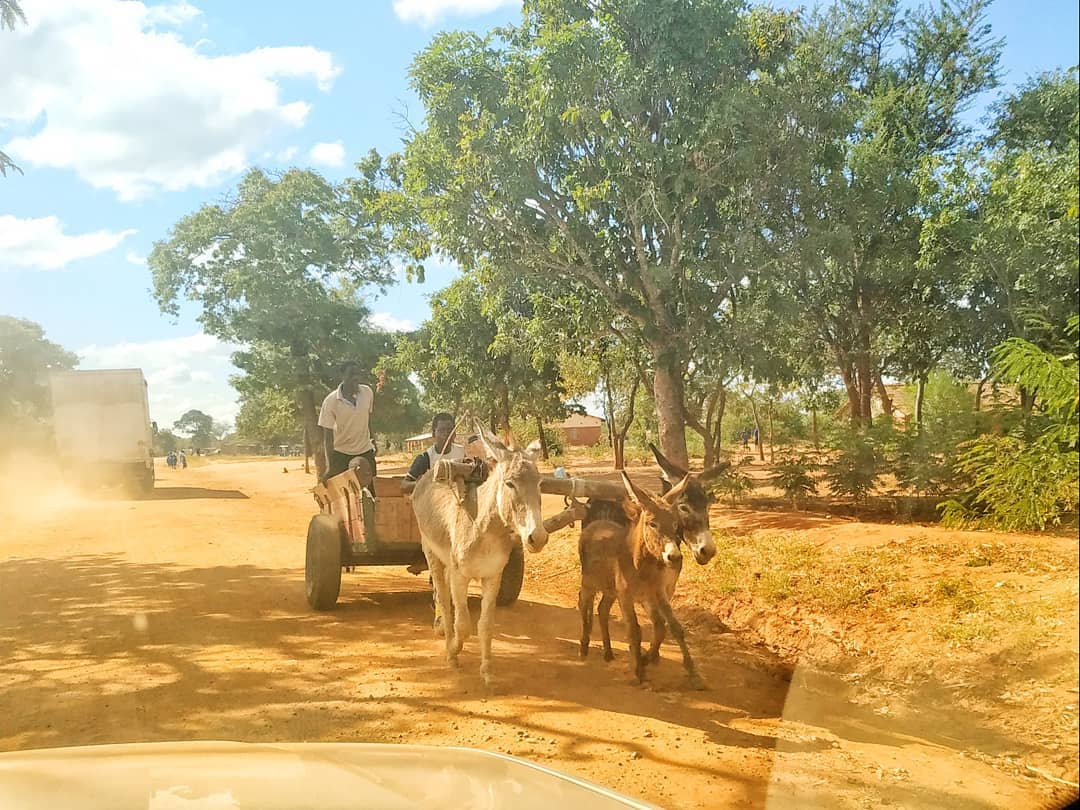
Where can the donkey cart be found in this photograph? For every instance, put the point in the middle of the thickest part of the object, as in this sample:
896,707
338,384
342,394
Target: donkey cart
366,521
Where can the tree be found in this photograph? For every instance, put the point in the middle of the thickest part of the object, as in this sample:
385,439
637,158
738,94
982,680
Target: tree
278,268
1010,213
874,99
10,14
268,416
607,149
198,427
475,353
26,358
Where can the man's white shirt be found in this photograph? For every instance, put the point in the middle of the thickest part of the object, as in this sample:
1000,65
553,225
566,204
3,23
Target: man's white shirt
350,423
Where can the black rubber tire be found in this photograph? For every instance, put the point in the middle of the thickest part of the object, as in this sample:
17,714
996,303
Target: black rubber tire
512,577
322,569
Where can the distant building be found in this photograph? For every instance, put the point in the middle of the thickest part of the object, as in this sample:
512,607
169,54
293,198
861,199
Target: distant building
581,430
415,444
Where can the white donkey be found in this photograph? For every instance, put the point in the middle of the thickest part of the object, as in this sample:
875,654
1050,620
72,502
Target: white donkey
463,543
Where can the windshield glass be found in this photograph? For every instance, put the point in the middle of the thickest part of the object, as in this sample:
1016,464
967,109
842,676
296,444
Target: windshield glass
679,395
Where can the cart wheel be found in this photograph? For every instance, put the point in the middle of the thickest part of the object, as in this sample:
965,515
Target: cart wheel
512,577
322,571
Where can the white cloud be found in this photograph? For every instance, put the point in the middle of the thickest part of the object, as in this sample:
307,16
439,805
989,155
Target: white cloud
327,154
428,12
181,373
110,90
384,320
42,244
135,258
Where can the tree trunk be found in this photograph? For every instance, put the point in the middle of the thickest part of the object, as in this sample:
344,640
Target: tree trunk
757,425
866,389
307,452
887,407
772,444
619,449
920,398
979,394
718,433
847,374
813,427
543,438
312,429
668,393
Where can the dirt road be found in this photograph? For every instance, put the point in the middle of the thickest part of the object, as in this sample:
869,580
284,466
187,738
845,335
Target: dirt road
183,618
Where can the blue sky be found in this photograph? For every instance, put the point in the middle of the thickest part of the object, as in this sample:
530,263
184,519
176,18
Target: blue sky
125,116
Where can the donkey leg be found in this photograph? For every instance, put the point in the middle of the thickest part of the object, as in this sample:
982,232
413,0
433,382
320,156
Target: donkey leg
626,605
659,631
486,626
677,632
606,601
440,580
585,607
459,590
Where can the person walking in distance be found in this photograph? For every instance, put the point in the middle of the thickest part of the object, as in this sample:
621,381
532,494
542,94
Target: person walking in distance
346,422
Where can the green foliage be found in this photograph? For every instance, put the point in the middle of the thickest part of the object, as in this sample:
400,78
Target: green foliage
269,417
26,358
10,14
793,475
278,268
198,427
921,466
1015,485
734,481
1019,482
854,468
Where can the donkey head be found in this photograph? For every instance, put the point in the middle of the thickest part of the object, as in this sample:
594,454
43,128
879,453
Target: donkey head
517,489
692,504
657,519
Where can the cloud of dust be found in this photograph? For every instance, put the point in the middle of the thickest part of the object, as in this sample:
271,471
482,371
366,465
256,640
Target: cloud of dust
33,485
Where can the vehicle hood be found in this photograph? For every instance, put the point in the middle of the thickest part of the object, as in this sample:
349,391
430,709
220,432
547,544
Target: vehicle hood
327,776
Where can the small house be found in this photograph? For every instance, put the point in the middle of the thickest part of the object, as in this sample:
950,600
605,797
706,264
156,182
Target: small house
581,430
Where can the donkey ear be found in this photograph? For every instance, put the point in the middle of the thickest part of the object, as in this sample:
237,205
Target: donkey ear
675,492
532,452
495,449
637,495
711,474
672,472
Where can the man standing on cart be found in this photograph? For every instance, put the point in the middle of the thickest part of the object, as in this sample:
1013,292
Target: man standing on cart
345,419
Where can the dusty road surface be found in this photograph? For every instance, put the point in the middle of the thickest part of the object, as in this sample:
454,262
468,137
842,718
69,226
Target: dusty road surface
183,618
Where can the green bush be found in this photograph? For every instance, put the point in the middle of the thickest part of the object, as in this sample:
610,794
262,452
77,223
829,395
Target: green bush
1014,485
793,476
1027,480
854,469
921,467
734,482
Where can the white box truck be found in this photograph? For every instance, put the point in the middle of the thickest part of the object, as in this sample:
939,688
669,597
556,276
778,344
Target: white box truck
101,420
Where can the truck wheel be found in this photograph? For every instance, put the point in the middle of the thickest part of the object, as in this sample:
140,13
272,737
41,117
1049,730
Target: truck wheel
512,577
322,571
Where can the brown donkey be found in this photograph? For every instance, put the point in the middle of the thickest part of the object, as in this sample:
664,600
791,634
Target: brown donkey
635,565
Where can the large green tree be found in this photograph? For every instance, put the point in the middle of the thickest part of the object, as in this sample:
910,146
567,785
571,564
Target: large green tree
874,98
609,149
279,268
475,353
26,358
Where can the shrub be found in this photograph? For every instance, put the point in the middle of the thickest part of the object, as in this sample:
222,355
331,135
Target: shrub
854,469
793,476
734,482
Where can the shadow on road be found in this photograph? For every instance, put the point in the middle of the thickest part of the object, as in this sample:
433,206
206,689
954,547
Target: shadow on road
194,493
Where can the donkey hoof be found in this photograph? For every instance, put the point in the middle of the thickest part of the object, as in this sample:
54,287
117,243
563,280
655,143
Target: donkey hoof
609,655
653,657
584,651
452,660
698,684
